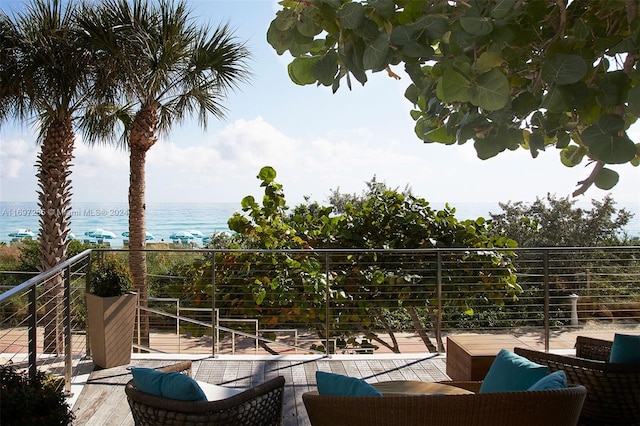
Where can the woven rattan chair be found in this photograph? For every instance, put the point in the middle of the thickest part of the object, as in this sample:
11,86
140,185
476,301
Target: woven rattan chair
257,406
613,390
527,408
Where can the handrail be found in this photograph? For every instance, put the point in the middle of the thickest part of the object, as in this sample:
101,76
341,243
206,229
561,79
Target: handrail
42,276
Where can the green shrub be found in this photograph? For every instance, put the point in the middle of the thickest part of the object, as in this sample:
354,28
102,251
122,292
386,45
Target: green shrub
110,278
28,402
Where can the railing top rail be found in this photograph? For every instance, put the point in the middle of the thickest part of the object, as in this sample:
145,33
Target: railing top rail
373,250
43,276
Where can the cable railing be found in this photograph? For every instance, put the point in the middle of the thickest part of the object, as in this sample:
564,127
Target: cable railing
219,302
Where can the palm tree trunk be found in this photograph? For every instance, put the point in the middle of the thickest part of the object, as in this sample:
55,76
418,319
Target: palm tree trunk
137,245
142,139
54,198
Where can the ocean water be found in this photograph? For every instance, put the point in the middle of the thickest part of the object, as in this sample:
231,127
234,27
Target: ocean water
163,219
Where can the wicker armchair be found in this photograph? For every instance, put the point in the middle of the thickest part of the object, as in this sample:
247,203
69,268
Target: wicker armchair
257,406
613,390
526,408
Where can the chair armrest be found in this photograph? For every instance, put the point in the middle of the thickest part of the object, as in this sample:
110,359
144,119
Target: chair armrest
180,367
594,349
470,386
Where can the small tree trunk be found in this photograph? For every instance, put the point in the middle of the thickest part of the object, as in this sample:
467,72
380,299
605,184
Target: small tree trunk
417,325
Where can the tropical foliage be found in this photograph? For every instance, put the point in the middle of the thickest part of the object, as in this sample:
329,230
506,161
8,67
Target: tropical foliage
291,287
553,222
506,74
26,401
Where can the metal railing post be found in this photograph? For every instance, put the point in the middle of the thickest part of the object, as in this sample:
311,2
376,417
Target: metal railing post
547,331
439,301
32,333
87,289
67,331
326,305
214,316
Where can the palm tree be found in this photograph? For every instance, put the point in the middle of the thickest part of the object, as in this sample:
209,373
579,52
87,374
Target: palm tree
169,68
44,77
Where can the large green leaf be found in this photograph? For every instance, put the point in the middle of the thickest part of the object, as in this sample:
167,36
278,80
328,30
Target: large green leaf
308,23
556,99
375,54
489,60
524,104
607,125
612,88
491,91
572,155
501,8
301,70
402,34
440,135
477,25
285,20
606,179
490,146
634,100
564,69
326,68
614,150
433,26
605,143
278,39
351,15
453,87
384,8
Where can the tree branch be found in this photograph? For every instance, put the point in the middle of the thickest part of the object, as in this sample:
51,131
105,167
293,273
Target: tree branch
586,184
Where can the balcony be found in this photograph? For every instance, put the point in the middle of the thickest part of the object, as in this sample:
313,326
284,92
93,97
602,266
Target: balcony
329,305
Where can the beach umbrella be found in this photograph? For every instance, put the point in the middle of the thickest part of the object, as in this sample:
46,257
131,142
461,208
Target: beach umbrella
181,235
196,234
148,235
22,233
100,234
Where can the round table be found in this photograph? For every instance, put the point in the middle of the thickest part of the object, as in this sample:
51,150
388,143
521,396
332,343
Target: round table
415,387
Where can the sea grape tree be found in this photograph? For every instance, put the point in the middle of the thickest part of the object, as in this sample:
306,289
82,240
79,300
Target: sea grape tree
359,285
507,74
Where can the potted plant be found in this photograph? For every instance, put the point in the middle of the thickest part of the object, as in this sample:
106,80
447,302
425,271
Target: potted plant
40,400
111,310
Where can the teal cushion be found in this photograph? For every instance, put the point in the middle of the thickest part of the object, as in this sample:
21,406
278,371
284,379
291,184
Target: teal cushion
555,380
625,348
167,385
339,385
511,372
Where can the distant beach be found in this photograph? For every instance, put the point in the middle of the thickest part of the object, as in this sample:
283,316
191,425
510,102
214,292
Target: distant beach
164,219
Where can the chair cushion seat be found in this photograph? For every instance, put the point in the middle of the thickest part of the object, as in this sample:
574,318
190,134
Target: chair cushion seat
216,392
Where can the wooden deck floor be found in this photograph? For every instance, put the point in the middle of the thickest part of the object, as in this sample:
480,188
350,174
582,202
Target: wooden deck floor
103,400
99,397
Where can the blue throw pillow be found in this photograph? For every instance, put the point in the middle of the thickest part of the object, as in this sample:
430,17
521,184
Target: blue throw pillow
555,380
625,348
511,372
168,385
339,385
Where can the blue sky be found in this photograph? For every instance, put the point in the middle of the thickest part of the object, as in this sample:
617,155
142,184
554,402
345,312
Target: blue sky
317,141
